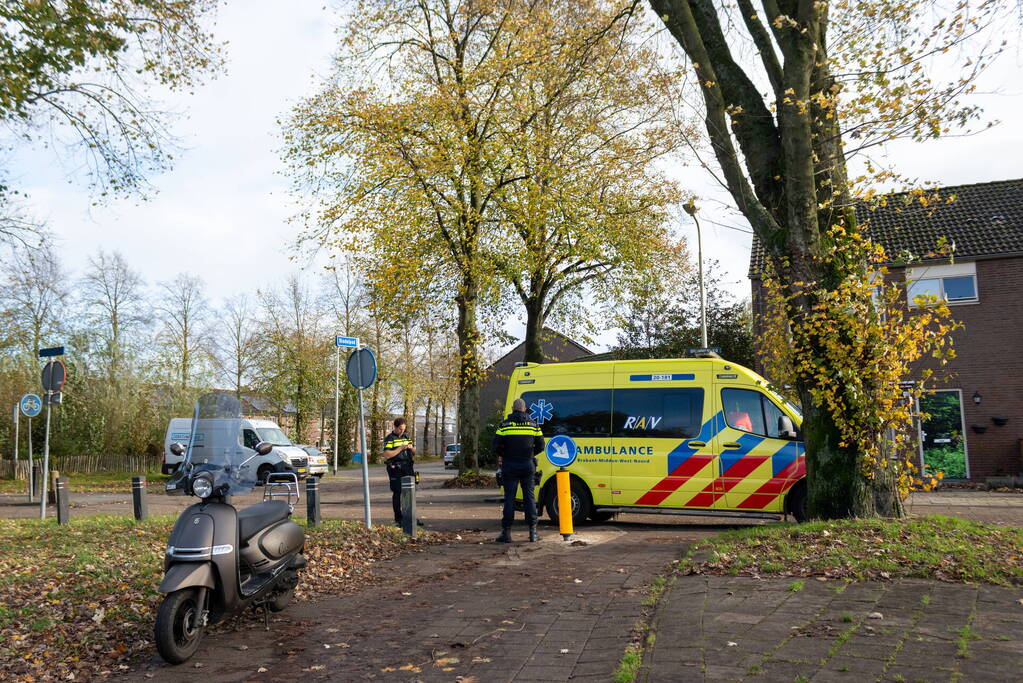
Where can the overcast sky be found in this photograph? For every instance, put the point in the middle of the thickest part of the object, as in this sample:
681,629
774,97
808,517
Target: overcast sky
222,211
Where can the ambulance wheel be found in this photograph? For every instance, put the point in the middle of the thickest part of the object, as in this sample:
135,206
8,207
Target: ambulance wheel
582,504
795,502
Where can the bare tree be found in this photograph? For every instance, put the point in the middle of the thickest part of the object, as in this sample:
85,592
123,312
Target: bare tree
238,350
185,310
295,356
34,297
113,298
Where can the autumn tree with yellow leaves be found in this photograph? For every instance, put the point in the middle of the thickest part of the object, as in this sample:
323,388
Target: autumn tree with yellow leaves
790,90
439,151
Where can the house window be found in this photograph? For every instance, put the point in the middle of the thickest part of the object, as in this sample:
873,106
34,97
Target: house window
954,283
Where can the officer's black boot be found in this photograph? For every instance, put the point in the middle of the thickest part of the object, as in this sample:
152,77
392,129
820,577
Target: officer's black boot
505,536
533,536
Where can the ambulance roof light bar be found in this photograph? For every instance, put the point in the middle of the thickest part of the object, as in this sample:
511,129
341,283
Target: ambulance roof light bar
708,352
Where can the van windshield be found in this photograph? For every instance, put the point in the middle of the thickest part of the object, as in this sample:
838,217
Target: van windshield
274,435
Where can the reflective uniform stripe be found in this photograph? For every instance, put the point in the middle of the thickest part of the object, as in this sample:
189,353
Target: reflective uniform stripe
518,431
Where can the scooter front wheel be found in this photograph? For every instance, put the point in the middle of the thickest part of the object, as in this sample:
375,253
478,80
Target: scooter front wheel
177,636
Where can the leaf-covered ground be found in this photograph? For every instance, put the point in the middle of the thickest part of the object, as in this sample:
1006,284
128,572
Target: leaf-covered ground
932,547
78,602
100,482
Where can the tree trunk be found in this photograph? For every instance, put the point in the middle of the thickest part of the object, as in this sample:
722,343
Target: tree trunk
534,330
443,425
468,378
426,428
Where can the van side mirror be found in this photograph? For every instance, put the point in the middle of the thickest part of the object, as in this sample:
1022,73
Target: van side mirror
177,449
264,447
786,430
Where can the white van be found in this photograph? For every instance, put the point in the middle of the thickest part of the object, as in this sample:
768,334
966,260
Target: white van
252,432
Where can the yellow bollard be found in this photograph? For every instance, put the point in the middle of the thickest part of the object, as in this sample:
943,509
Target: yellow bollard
564,503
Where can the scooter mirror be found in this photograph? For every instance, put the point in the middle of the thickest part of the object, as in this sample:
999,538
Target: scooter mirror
264,447
177,449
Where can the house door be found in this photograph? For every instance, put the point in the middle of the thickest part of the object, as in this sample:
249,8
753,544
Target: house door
942,434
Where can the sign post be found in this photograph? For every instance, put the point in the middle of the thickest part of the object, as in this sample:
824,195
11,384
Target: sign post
339,342
561,452
54,376
362,372
14,416
30,406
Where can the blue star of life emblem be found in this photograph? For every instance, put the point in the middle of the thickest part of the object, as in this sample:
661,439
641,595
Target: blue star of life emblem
541,411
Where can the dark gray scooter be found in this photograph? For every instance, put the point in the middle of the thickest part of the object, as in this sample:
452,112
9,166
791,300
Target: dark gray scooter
221,560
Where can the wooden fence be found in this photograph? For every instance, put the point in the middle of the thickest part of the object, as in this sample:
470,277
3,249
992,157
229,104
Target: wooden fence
84,464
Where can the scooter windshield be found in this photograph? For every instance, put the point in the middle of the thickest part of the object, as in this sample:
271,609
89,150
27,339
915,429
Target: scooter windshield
216,446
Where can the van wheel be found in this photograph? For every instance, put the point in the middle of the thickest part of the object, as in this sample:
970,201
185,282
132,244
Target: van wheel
582,503
795,502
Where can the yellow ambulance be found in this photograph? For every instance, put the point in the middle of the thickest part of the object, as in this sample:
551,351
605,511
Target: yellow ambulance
681,436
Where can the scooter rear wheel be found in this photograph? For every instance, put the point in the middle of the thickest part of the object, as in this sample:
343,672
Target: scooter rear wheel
281,600
177,637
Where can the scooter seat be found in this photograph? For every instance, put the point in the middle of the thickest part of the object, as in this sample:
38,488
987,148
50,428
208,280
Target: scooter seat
260,516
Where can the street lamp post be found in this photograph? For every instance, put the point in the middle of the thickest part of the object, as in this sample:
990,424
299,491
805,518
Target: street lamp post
690,208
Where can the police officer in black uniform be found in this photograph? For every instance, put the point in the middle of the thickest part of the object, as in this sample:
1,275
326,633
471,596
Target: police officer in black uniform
399,452
516,443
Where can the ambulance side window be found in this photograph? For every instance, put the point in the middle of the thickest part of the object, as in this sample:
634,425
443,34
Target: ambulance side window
575,412
658,413
743,410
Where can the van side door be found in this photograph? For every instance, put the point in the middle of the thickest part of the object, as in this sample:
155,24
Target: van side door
758,464
662,425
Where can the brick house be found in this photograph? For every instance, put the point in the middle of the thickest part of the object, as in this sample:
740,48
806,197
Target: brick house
557,348
976,426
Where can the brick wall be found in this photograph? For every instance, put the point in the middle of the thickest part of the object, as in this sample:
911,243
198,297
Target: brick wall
989,361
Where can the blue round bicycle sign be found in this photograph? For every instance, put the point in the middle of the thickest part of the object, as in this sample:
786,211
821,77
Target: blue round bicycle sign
561,450
31,405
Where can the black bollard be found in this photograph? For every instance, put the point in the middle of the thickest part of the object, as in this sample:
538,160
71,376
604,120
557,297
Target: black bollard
312,501
408,505
36,479
63,504
138,498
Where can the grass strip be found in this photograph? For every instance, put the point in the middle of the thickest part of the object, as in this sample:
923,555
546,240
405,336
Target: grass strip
944,548
80,599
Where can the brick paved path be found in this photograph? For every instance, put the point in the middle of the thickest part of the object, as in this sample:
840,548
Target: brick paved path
531,612
739,628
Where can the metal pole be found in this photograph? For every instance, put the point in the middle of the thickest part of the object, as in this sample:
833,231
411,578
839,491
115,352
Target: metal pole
703,289
690,208
365,456
17,423
337,399
46,458
31,467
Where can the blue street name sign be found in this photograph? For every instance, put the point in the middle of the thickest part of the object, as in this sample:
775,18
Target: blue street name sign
52,351
346,342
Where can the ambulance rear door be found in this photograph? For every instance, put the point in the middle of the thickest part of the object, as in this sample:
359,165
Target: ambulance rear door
574,400
662,434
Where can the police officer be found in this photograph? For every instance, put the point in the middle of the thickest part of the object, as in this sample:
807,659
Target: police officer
398,451
516,442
